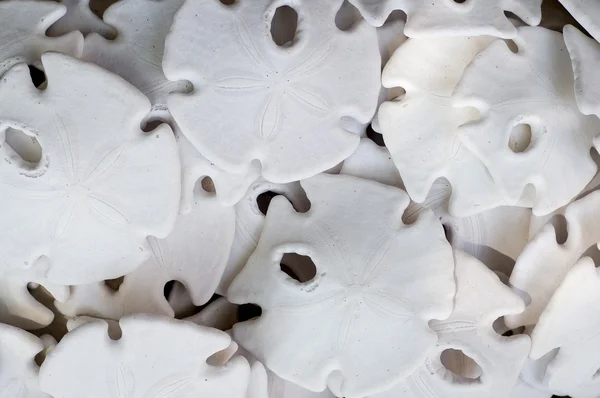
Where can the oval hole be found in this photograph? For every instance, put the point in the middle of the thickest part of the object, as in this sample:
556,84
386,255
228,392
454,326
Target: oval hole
297,266
460,1
347,16
520,138
284,25
227,2
114,284
460,364
38,77
375,136
561,231
208,185
512,46
25,146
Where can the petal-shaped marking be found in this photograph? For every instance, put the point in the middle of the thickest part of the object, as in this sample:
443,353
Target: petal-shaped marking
65,143
453,326
157,251
315,59
346,324
107,211
376,258
269,116
307,305
172,389
64,218
308,99
240,84
248,46
384,304
123,382
104,165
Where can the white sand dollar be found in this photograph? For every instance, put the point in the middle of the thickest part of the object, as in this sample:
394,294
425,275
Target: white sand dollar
255,100
101,185
377,284
155,357
526,91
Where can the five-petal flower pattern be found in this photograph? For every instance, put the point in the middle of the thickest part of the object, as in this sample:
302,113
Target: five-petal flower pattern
155,357
280,105
101,186
377,284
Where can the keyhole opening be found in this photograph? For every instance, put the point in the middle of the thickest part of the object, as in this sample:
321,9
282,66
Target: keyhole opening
284,25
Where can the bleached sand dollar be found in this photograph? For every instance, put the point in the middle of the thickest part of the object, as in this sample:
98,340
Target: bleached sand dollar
471,359
420,129
544,263
280,105
18,307
585,55
376,285
24,24
195,253
19,376
155,357
250,221
428,18
136,53
530,129
100,185
570,323
79,16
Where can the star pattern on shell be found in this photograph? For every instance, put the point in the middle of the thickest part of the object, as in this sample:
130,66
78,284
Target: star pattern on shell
427,18
522,95
485,363
155,357
89,190
282,111
23,38
360,285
